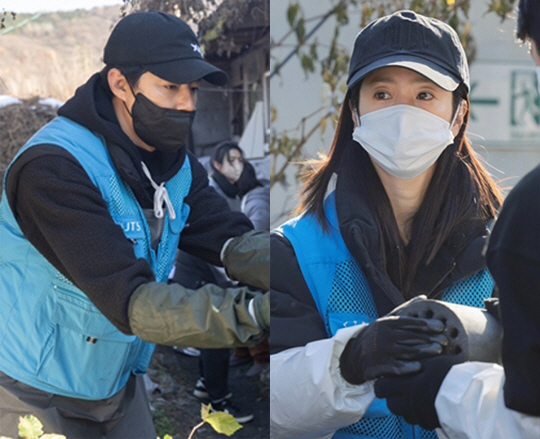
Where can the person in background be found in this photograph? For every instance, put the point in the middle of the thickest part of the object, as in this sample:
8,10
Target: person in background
255,204
255,197
481,400
93,210
227,164
408,216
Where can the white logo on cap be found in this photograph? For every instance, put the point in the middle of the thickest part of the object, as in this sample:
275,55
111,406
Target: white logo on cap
197,48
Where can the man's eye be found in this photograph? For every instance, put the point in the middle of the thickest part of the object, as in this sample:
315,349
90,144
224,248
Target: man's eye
171,87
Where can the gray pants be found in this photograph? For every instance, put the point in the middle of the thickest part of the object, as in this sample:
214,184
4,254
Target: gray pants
124,415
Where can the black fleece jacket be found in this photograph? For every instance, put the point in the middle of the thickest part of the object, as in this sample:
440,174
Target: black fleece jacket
513,257
63,215
295,318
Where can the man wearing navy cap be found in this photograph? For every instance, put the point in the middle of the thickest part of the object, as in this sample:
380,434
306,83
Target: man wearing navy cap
95,206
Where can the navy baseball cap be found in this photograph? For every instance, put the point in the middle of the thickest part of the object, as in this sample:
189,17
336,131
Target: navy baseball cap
162,44
406,39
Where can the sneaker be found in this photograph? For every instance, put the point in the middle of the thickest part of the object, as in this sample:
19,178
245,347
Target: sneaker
202,393
227,406
255,369
190,352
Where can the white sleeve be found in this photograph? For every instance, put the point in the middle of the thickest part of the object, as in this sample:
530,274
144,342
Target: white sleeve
470,405
309,399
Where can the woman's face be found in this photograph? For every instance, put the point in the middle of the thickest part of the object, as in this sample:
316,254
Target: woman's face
232,166
397,85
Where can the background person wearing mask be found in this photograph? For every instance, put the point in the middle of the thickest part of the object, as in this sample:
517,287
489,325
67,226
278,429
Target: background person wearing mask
93,210
480,400
408,216
227,164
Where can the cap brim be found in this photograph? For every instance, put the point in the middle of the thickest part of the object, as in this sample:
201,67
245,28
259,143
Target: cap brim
184,71
430,70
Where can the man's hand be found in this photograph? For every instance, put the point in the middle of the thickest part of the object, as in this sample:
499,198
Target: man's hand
413,397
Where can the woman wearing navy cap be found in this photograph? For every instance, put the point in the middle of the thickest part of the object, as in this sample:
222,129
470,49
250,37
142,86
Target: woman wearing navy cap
408,216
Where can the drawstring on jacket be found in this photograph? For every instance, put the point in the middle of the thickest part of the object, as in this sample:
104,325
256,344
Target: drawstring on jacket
160,196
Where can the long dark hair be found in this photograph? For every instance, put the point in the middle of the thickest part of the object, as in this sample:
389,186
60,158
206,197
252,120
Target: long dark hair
460,192
248,179
221,152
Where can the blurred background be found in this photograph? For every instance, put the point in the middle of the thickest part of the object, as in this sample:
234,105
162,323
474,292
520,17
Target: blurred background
310,48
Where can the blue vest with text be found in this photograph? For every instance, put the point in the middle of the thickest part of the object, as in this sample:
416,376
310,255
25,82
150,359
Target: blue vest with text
52,337
343,298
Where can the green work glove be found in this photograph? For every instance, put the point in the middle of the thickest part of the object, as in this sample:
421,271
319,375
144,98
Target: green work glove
261,310
246,258
209,317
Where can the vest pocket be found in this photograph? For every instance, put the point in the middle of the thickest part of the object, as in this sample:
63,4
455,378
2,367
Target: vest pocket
85,356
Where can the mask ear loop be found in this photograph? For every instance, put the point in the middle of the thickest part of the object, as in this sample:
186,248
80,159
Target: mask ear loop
357,116
456,114
134,95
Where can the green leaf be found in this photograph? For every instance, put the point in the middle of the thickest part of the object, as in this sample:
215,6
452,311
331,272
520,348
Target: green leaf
341,14
223,423
205,411
313,50
292,12
307,63
211,35
30,427
301,31
323,125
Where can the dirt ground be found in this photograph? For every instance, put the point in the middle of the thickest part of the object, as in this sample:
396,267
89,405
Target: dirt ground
177,411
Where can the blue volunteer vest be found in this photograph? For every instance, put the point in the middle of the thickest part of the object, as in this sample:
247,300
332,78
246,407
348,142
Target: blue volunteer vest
343,298
51,335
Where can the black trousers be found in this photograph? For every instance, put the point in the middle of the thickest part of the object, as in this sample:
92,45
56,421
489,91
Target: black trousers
214,367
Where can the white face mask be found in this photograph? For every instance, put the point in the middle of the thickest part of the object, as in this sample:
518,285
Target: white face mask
404,140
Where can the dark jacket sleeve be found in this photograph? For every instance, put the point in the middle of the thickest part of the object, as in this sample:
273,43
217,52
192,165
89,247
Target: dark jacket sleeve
295,320
210,222
62,213
513,257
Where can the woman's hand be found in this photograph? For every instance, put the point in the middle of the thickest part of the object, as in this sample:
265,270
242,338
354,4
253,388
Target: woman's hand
391,346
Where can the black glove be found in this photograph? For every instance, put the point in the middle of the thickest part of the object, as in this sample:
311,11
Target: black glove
493,307
390,346
413,397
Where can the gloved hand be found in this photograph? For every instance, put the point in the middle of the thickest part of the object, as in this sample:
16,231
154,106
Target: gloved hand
208,317
413,397
261,309
246,259
391,346
493,307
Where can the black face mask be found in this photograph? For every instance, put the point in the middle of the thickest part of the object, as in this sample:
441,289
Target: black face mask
165,129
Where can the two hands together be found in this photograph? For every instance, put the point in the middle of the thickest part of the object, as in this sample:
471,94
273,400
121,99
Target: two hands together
404,355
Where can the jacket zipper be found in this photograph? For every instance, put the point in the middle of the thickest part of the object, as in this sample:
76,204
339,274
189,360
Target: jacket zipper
442,279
